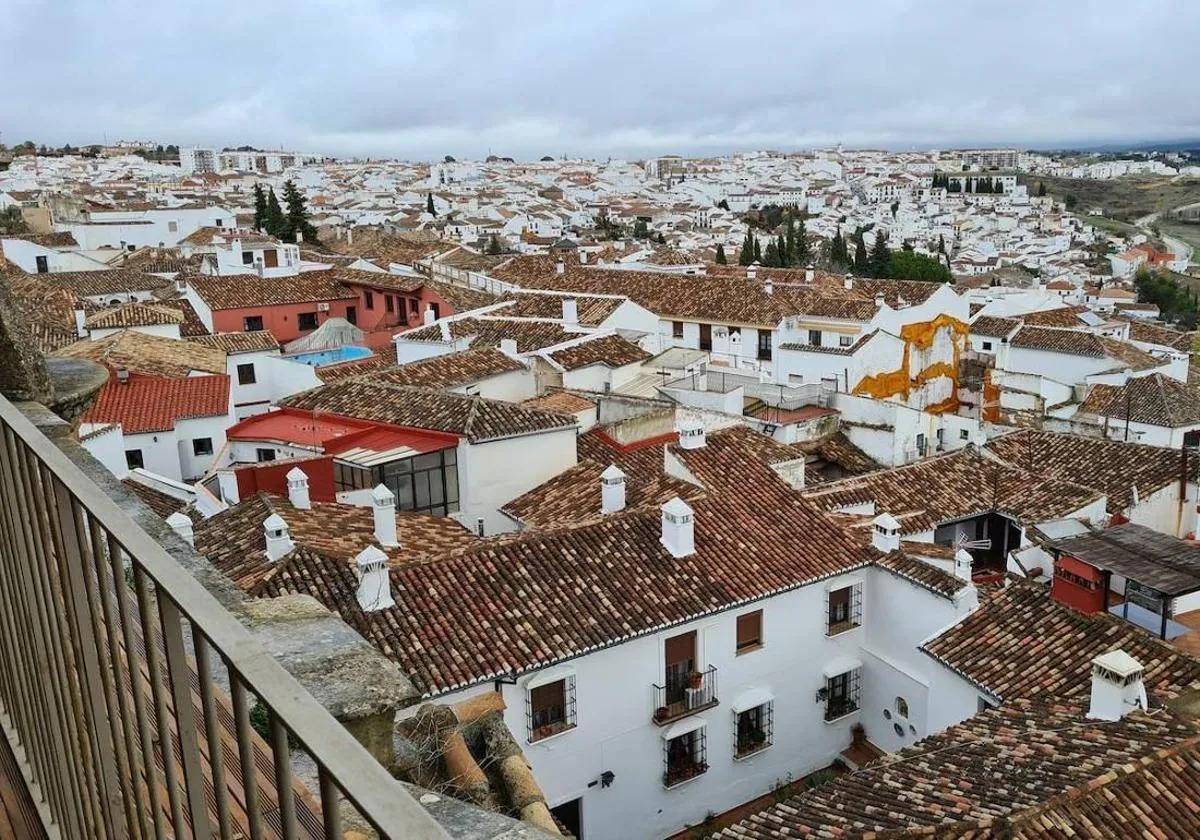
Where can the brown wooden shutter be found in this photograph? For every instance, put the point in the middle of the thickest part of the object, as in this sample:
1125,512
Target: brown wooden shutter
749,629
549,696
681,648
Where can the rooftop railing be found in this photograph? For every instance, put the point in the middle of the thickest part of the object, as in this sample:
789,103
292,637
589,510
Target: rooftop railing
109,649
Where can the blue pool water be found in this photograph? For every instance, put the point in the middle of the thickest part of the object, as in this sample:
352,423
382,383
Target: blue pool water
333,356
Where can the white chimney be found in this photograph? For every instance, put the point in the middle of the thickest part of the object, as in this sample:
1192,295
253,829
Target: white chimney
809,274
691,433
962,564
350,235
560,267
374,584
279,540
299,237
570,312
182,526
879,301
885,533
752,271
583,257
297,485
80,318
508,346
612,490
769,287
1117,686
848,281
383,505
429,316
678,528
123,375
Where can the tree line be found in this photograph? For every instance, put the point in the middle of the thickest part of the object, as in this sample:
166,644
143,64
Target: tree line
788,249
1176,304
967,183
271,218
882,262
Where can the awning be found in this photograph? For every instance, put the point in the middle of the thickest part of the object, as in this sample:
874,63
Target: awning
683,727
841,665
751,698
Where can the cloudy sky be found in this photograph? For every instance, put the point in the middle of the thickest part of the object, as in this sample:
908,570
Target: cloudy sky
621,78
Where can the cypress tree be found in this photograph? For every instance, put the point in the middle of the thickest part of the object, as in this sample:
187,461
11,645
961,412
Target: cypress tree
260,207
296,220
877,263
275,222
429,204
771,257
758,257
790,243
837,249
800,253
721,254
1041,189
747,254
781,249
860,253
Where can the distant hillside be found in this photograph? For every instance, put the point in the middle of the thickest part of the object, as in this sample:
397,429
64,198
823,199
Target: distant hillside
1125,199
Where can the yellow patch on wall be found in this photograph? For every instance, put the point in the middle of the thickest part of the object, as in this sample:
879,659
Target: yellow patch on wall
900,382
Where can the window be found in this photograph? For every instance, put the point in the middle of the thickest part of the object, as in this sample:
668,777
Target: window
247,258
369,299
219,222
987,345
133,459
764,345
814,338
351,315
920,444
252,323
753,730
841,694
202,446
684,757
550,708
264,454
706,336
677,329
437,310
902,707
43,264
749,631
245,374
845,609
963,434
425,483
306,321
845,340
173,227
389,303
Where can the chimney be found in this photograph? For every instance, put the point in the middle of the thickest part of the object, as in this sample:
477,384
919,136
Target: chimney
612,490
279,541
691,434
583,257
374,584
810,274
383,505
350,235
182,526
962,564
297,485
570,312
848,281
80,317
123,375
885,533
769,287
299,237
508,346
1117,686
752,271
678,528
560,267
429,316
879,301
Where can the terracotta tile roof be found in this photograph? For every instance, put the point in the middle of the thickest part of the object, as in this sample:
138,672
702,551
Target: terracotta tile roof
192,326
158,501
923,574
830,349
149,404
460,298
560,402
133,315
148,354
592,310
953,486
1108,466
255,341
210,234
1079,343
55,239
384,359
114,281
1064,316
972,779
475,418
994,327
1022,644
1155,334
447,371
834,457
376,279
611,351
1155,399
488,332
248,290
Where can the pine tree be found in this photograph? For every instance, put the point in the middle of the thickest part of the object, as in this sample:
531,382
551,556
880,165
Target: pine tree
493,245
260,207
429,204
1041,189
721,254
758,256
296,220
790,241
275,222
771,256
877,262
860,253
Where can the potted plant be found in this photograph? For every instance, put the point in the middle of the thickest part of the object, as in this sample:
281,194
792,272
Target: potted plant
695,679
758,738
660,714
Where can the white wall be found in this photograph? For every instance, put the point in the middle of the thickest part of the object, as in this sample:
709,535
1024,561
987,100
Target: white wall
145,228
275,378
510,386
161,330
24,254
107,447
488,479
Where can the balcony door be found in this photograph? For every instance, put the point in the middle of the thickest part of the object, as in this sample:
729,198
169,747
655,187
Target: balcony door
680,655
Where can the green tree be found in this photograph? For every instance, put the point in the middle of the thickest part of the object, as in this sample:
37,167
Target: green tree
908,265
860,253
838,253
493,245
723,204
1071,202
296,219
781,251
758,255
721,259
429,204
771,255
747,253
260,207
801,255
877,262
276,223
1041,190
12,222
640,231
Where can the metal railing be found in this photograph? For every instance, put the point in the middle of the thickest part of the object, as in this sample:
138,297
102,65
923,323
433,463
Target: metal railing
117,724
684,693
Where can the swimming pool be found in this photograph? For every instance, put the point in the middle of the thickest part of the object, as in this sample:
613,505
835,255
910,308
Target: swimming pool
332,356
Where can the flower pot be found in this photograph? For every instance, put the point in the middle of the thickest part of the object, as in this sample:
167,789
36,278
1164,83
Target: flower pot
695,679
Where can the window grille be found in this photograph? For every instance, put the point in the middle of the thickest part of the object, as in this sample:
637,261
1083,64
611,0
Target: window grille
842,694
753,730
550,709
845,609
684,757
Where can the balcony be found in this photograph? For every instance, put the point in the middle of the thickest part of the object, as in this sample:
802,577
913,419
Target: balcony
685,694
113,722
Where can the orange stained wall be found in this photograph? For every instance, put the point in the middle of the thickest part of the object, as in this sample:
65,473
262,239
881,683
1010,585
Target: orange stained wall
900,382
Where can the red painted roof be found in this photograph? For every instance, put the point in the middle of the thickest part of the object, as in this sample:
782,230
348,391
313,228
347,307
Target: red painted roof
335,435
149,404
